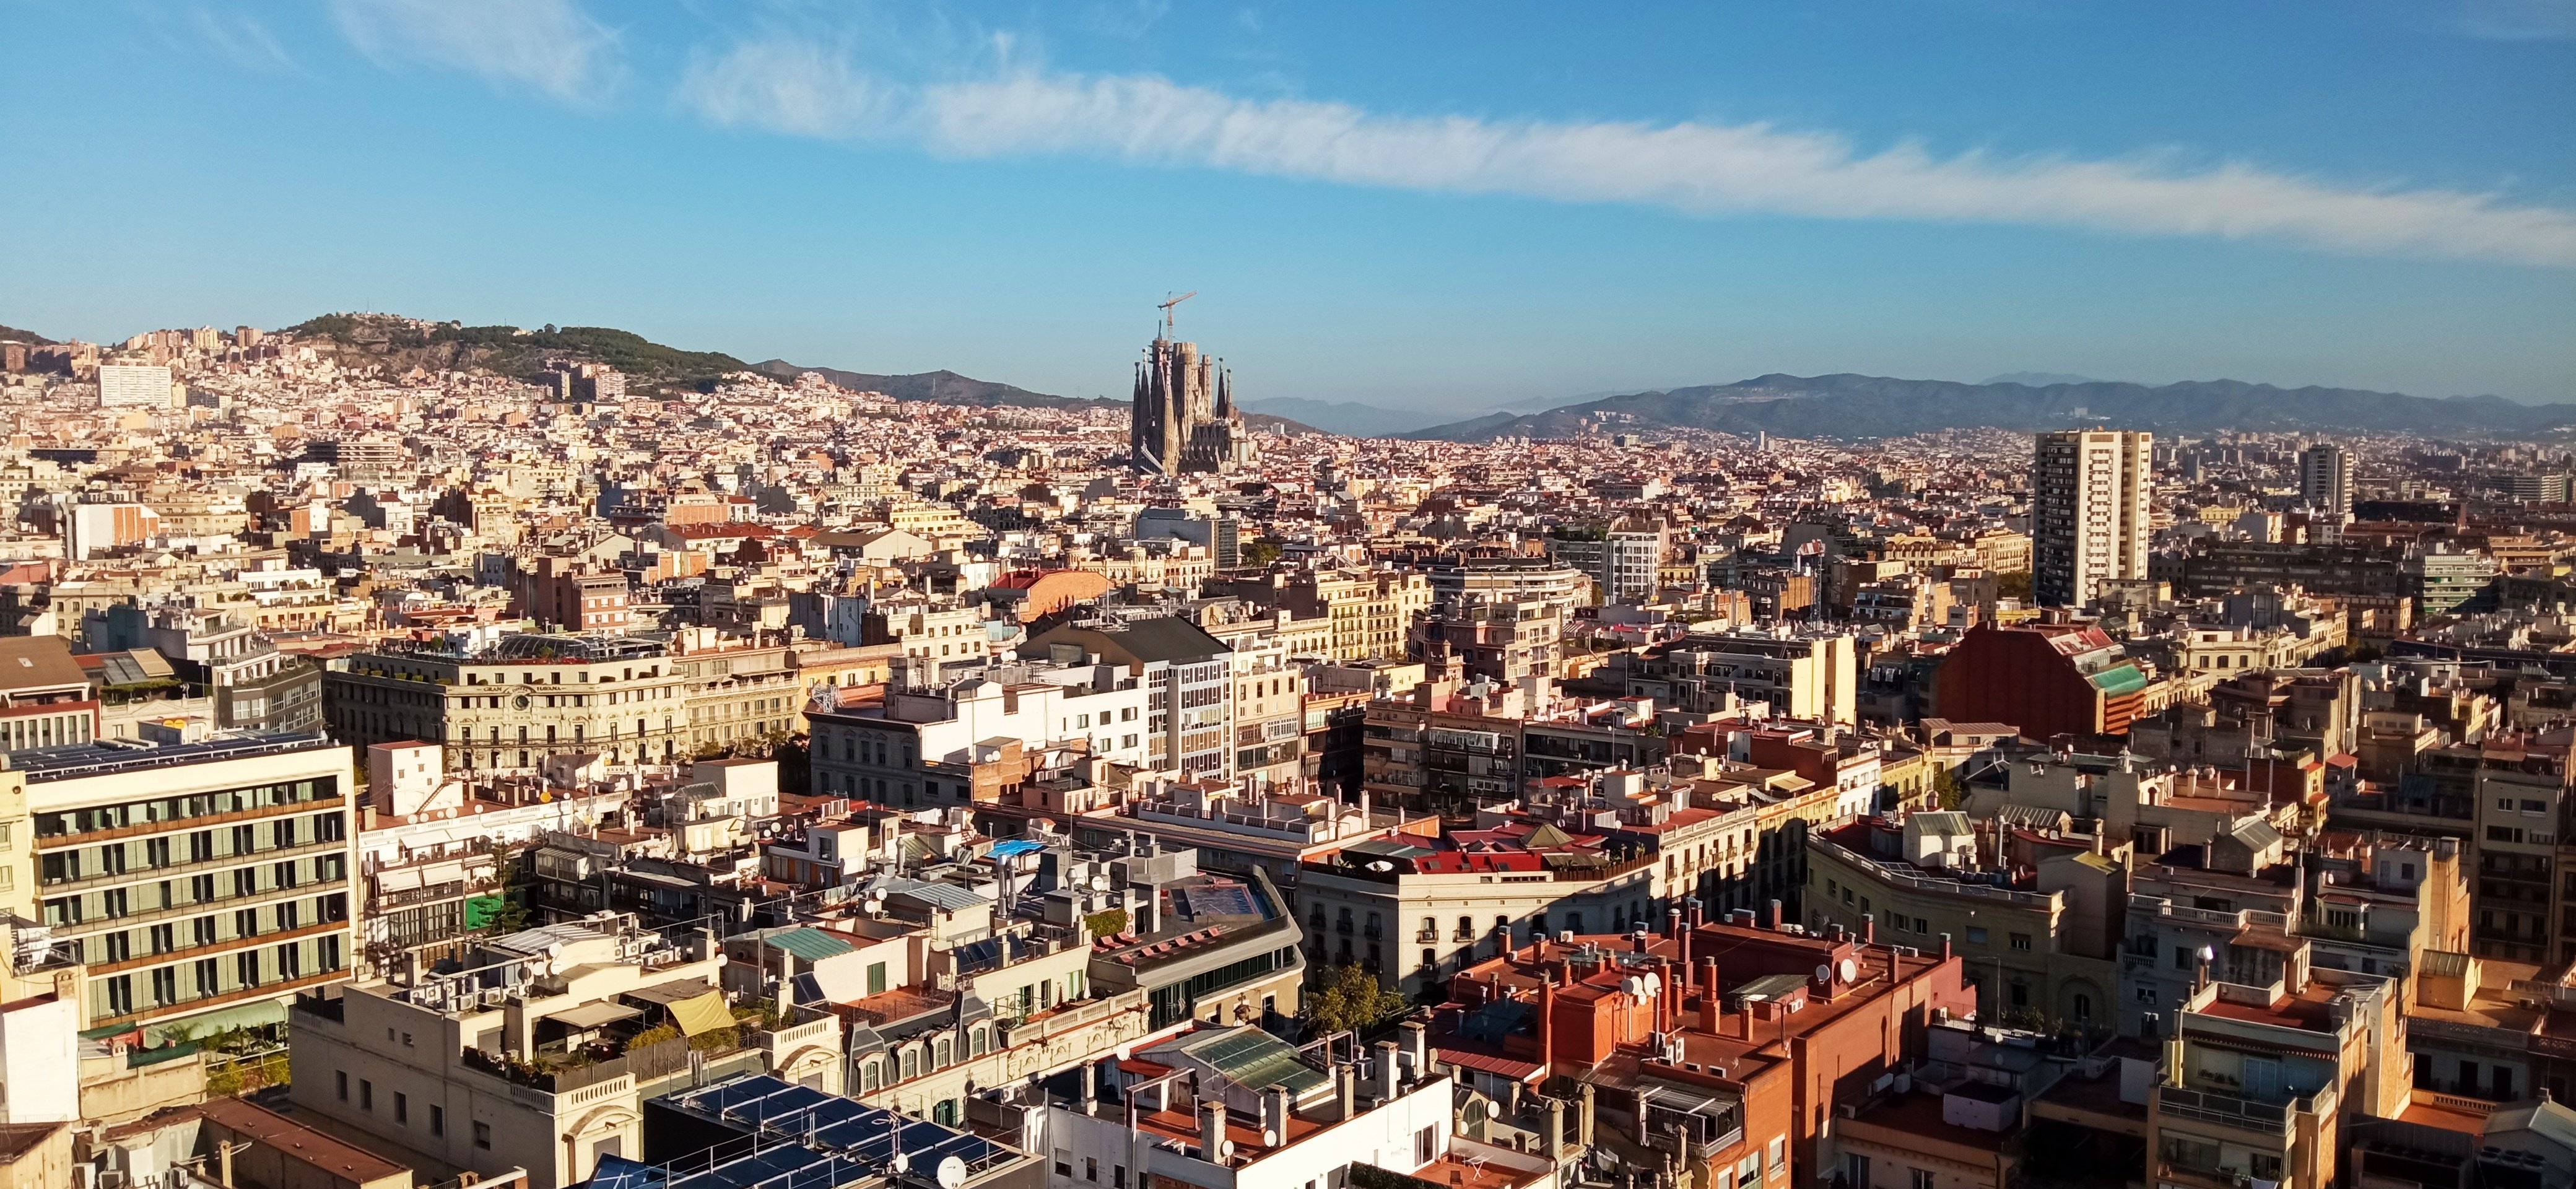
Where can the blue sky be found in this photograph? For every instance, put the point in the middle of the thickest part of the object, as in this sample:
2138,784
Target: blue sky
1441,205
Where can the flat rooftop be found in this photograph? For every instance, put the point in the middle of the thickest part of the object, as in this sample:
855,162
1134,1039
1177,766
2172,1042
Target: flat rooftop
104,757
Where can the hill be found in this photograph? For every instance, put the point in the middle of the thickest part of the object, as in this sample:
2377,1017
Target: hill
1343,417
11,334
402,343
940,387
1849,406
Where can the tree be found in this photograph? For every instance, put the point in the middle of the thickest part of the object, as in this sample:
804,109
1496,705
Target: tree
1351,999
1258,554
1948,789
2015,585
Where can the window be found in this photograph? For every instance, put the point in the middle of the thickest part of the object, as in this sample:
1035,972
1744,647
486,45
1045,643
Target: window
437,1119
402,1107
366,1095
876,978
1091,1169
2021,941
1063,1163
340,1082
482,1134
1918,1178
1424,1145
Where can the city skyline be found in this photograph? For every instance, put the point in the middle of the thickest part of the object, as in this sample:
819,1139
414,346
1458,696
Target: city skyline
905,190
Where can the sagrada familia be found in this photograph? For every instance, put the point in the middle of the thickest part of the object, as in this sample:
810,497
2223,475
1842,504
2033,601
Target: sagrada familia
1184,421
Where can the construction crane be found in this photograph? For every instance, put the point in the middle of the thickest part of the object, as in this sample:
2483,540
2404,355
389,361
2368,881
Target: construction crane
1168,302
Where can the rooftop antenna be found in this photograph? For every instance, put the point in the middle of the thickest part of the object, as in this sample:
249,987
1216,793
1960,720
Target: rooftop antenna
1168,302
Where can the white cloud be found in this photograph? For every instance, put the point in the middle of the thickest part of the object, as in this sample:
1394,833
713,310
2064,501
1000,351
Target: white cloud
797,88
241,39
550,46
1696,168
2519,20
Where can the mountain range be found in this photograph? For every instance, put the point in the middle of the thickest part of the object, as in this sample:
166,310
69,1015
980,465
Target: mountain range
1832,406
1849,406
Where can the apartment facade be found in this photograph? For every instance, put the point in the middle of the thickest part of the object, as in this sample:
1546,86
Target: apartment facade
203,884
2089,512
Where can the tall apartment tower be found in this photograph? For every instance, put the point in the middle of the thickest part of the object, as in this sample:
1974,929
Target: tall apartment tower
2089,515
2325,480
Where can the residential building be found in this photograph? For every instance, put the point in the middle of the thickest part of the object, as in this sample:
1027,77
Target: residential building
203,883
2089,512
539,1053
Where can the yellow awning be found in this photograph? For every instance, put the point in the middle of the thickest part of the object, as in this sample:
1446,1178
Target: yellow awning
702,1013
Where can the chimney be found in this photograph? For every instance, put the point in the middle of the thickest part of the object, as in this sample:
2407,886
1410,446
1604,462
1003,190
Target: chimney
1637,940
1945,947
1694,906
1771,918
1583,1115
1555,1128
1386,1050
1274,1115
1346,1088
1417,1053
1212,1130
1090,1085
1546,1024
1672,922
1709,1001
1869,928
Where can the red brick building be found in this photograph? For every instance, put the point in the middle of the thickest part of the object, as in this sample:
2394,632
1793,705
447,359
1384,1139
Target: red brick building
2044,679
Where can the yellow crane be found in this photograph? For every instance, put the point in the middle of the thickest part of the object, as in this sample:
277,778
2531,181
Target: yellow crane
1168,302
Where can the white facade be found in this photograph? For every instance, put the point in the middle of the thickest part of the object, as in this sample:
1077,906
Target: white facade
133,384
2089,512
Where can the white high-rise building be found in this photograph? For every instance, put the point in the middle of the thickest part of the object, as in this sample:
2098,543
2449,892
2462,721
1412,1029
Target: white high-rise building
126,384
2089,512
2325,480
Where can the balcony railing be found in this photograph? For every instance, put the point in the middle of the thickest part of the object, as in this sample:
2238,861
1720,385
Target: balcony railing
2229,1110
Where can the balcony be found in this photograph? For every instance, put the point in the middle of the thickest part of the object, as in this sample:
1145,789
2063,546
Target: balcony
2242,1114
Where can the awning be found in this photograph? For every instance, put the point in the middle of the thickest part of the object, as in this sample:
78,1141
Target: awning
700,1014
248,1015
595,1015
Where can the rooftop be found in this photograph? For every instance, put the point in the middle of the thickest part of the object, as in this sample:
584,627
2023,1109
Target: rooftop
108,756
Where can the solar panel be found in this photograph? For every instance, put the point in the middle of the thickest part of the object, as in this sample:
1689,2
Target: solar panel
815,1140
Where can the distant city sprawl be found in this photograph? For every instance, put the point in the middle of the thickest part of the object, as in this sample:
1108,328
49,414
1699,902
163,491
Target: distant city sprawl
467,756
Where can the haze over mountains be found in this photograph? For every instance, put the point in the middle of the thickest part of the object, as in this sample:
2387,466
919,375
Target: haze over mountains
1849,406
1837,406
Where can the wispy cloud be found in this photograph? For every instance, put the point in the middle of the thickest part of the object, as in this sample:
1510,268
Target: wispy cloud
791,87
2519,20
241,39
549,46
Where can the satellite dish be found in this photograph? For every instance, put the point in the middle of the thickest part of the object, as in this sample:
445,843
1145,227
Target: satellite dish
1825,973
1100,883
554,964
1224,1149
902,1163
722,959
1269,1138
1850,970
952,1172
